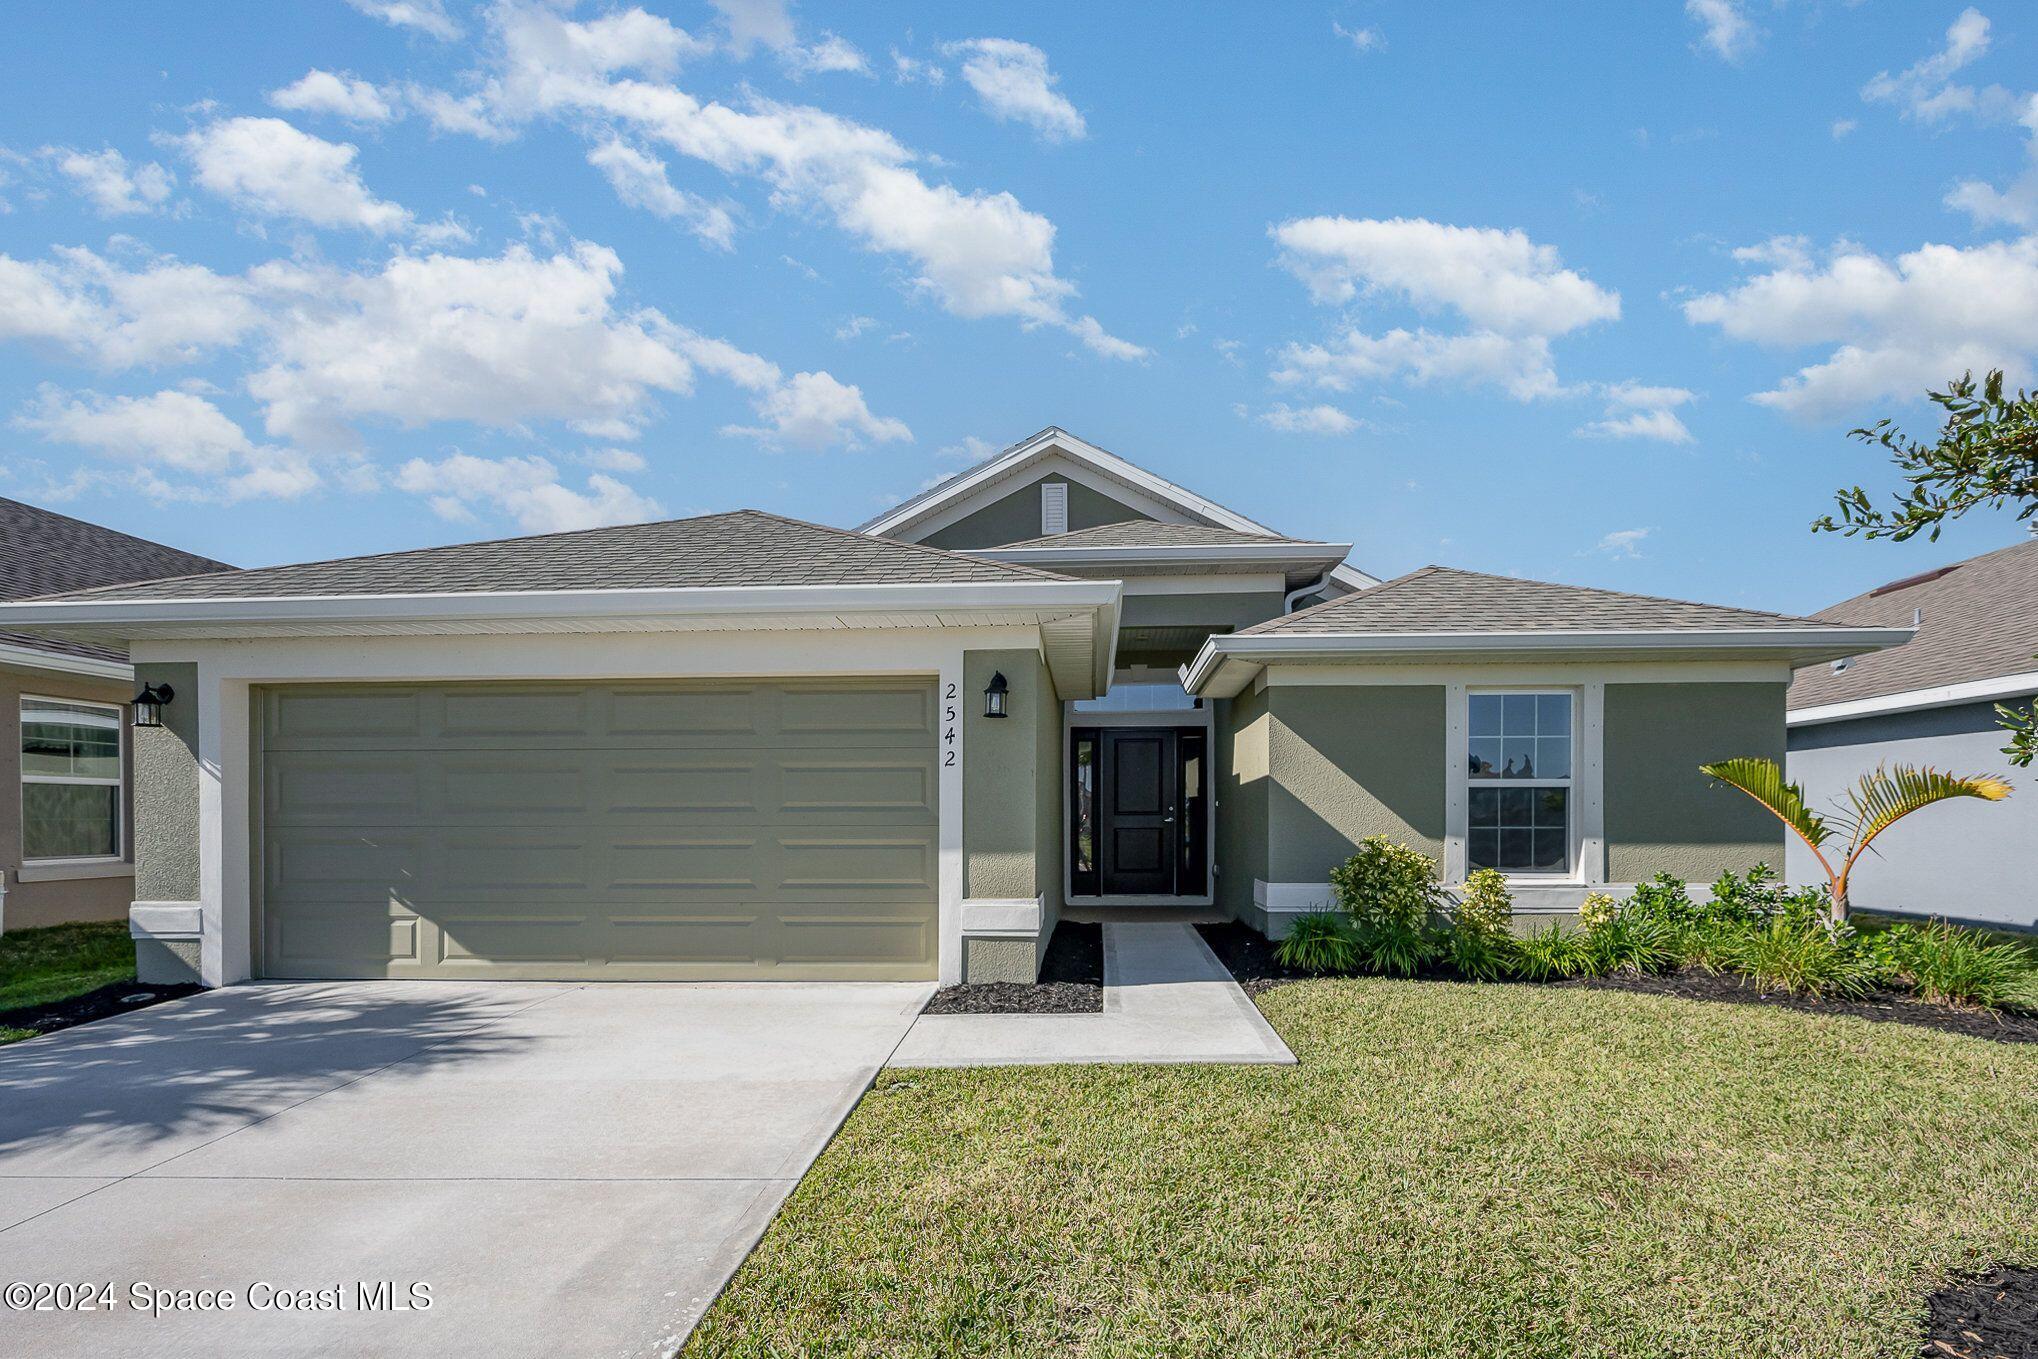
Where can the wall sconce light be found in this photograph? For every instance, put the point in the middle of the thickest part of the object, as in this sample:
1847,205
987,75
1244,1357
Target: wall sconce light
148,704
994,695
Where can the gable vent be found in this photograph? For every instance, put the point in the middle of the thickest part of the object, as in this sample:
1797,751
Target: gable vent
1054,507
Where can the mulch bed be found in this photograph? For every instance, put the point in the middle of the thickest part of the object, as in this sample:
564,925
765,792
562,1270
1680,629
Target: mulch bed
1071,982
1990,1315
1250,956
115,999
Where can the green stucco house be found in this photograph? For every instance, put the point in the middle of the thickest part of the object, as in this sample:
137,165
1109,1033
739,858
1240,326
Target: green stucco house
745,747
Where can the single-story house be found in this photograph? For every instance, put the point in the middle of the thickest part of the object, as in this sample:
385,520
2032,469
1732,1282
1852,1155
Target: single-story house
741,746
1933,702
66,838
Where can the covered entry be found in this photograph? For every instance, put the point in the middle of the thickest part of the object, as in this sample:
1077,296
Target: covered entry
669,830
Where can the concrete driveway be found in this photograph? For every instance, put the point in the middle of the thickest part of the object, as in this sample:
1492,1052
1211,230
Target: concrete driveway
566,1170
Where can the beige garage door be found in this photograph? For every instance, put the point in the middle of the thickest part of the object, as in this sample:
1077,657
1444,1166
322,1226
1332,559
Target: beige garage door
682,831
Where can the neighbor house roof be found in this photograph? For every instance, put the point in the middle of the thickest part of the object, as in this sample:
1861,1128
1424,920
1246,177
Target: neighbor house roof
1438,610
42,552
1977,640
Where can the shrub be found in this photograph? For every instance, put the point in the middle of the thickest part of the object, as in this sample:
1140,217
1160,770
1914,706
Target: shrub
1962,966
1386,884
1322,941
1803,959
1546,955
1633,941
1663,900
1478,954
1598,909
1485,906
1761,895
1394,948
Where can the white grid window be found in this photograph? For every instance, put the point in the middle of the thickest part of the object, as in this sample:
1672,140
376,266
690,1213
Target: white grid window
1518,807
70,779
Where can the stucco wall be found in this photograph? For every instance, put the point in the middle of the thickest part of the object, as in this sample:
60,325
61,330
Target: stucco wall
1662,815
1047,804
166,791
1964,860
1212,612
1016,517
1242,782
53,902
1011,807
1349,762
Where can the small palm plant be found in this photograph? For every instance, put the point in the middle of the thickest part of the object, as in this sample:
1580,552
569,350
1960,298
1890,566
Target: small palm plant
1872,806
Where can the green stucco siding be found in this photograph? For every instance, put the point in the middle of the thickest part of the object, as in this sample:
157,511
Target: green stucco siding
1349,761
166,791
1211,612
1047,804
1016,517
1242,777
1662,815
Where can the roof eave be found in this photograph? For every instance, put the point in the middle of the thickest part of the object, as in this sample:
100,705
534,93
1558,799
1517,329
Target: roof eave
58,662
1989,690
1299,555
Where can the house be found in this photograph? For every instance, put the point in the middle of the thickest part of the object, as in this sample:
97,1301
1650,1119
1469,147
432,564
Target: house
741,746
66,844
1932,702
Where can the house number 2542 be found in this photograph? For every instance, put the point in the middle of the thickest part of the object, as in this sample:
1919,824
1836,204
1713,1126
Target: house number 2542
948,727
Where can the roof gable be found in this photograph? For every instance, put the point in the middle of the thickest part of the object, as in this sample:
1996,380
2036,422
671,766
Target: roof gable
1153,533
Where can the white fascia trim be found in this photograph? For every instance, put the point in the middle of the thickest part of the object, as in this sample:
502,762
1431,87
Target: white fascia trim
87,666
699,601
1213,552
1940,696
1352,578
1262,649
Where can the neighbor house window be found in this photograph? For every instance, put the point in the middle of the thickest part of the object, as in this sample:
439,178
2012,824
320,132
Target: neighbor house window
1518,805
70,779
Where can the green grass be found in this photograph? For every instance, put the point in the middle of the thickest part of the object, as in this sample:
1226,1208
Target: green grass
1493,1170
59,961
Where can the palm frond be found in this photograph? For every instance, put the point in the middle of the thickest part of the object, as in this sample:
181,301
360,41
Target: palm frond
1888,795
1763,780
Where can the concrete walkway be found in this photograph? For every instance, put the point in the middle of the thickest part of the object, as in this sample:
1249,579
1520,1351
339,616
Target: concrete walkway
1166,999
569,1170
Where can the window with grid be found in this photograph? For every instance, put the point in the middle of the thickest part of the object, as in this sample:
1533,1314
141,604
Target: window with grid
70,780
1518,805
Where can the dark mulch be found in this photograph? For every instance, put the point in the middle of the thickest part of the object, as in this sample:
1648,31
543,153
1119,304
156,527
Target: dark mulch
1250,956
1990,1315
1071,982
115,999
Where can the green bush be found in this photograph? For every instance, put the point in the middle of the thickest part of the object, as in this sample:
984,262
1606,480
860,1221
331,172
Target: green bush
1386,884
1553,953
1478,954
1598,908
1322,941
1954,965
1663,900
1394,948
1761,895
1804,959
1485,906
1633,941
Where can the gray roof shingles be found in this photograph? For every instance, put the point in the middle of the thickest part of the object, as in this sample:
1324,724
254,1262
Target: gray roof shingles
1152,533
42,552
1443,599
742,547
1977,620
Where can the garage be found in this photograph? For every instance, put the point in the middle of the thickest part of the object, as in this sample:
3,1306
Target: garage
669,830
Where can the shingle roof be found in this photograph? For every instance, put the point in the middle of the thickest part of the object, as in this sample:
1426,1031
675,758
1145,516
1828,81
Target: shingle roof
1152,533
743,547
1978,619
1443,599
42,552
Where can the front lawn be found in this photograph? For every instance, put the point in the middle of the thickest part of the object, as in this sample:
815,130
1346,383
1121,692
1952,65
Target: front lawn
57,962
1452,1169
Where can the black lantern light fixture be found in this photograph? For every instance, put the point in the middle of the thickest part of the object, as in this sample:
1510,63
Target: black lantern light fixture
148,704
994,695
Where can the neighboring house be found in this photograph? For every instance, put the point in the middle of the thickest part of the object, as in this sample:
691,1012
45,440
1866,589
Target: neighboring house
66,848
1933,702
741,746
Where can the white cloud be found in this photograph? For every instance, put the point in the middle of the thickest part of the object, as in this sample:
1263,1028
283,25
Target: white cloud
807,410
854,327
266,166
612,459
1518,364
114,187
160,311
528,490
1660,425
338,94
1622,542
1013,83
1728,31
751,24
1894,327
1790,252
1363,40
978,254
426,16
640,180
910,70
1307,419
1844,128
969,448
1926,91
176,445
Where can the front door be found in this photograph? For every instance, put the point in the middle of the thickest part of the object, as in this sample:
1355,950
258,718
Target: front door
1139,830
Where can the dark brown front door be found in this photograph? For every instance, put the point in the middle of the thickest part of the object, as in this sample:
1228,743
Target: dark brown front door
1139,831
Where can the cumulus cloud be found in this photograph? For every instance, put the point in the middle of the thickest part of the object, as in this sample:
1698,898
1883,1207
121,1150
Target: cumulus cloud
176,445
769,24
1637,411
267,167
117,315
1306,419
641,181
425,16
113,186
977,254
1893,327
807,410
912,70
1013,83
338,94
528,490
1725,27
1927,91
1622,543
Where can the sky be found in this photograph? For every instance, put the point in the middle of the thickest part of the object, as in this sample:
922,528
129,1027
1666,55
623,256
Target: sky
1589,293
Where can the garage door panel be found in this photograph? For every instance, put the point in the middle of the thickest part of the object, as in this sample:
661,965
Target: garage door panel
681,830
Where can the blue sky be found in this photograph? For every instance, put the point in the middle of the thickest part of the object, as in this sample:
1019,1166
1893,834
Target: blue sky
1591,298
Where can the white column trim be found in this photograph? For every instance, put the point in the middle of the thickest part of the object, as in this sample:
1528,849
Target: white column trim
949,740
212,965
1592,786
1457,751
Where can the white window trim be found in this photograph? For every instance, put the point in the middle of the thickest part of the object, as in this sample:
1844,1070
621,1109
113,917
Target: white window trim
118,783
1587,830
